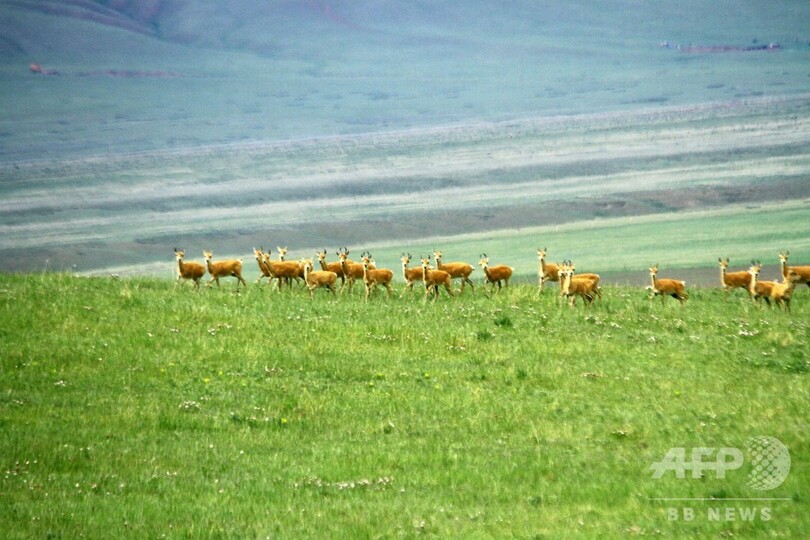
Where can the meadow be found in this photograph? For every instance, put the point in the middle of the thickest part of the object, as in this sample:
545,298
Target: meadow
131,408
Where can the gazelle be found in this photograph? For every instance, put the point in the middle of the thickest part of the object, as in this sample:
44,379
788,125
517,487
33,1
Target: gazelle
759,290
802,271
227,268
334,266
456,270
351,270
495,274
433,278
317,278
664,287
410,275
264,269
375,276
781,293
585,286
546,271
731,280
284,271
193,271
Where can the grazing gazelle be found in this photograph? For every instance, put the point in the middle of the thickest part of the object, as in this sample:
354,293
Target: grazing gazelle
664,287
187,270
228,268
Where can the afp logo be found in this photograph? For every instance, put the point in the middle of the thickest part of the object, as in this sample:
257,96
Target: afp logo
768,458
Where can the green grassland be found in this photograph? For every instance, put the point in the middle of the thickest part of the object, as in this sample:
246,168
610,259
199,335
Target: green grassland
130,408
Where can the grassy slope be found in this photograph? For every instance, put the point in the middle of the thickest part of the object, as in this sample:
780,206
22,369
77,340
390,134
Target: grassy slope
130,409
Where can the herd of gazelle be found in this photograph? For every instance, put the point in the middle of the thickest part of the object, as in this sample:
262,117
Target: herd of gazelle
582,285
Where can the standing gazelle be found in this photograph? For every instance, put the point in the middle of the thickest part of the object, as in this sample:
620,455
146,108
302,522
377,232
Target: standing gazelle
802,271
317,278
410,275
187,270
664,287
495,274
545,271
456,270
334,266
434,278
375,276
585,286
229,268
731,280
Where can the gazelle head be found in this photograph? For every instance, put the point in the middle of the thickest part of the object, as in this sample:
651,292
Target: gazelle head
484,261
654,269
783,256
723,264
282,252
306,264
366,258
259,253
405,259
343,254
437,254
425,262
179,254
541,254
755,269
208,254
792,277
321,256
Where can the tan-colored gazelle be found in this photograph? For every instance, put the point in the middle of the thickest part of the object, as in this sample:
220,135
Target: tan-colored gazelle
264,268
375,276
351,270
782,293
410,275
187,270
334,266
802,271
545,271
664,287
318,278
456,270
433,278
495,274
227,268
585,286
732,280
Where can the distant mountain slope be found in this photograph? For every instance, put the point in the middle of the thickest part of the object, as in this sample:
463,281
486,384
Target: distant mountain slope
146,76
